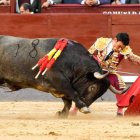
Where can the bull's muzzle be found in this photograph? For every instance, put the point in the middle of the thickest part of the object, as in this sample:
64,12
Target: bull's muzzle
85,110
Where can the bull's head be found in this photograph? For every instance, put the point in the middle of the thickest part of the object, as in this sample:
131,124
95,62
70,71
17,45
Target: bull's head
95,87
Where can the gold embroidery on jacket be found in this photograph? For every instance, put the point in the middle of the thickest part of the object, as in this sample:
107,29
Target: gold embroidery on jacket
100,44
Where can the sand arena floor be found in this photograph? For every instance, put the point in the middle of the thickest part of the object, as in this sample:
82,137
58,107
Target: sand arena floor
37,121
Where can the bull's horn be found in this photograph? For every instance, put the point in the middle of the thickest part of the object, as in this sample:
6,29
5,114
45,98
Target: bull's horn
99,75
114,90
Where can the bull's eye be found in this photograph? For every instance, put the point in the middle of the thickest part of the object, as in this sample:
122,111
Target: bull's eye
91,88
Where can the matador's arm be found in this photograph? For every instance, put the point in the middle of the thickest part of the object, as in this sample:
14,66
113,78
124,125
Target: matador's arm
134,58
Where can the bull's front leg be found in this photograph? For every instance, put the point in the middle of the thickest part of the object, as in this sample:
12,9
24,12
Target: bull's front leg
67,105
64,86
71,95
81,105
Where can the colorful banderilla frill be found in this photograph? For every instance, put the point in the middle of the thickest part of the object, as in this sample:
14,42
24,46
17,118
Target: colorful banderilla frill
48,60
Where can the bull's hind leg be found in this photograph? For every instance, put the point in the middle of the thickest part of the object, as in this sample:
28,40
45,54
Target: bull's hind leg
67,105
12,86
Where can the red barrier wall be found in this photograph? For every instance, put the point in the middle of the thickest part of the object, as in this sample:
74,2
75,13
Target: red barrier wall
81,23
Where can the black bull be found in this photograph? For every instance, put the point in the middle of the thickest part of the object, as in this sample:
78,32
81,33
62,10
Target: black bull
71,77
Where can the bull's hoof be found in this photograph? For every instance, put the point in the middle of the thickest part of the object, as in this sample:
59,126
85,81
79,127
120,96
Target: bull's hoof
85,110
61,114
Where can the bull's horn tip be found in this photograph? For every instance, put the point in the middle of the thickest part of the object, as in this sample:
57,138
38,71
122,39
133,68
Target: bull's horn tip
99,75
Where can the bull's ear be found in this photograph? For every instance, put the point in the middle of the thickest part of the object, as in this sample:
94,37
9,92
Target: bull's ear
90,76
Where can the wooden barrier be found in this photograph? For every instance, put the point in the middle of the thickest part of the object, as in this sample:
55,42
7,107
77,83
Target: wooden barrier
8,8
104,9
5,9
77,8
84,28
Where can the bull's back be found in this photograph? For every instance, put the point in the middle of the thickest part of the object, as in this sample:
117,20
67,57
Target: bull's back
18,55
